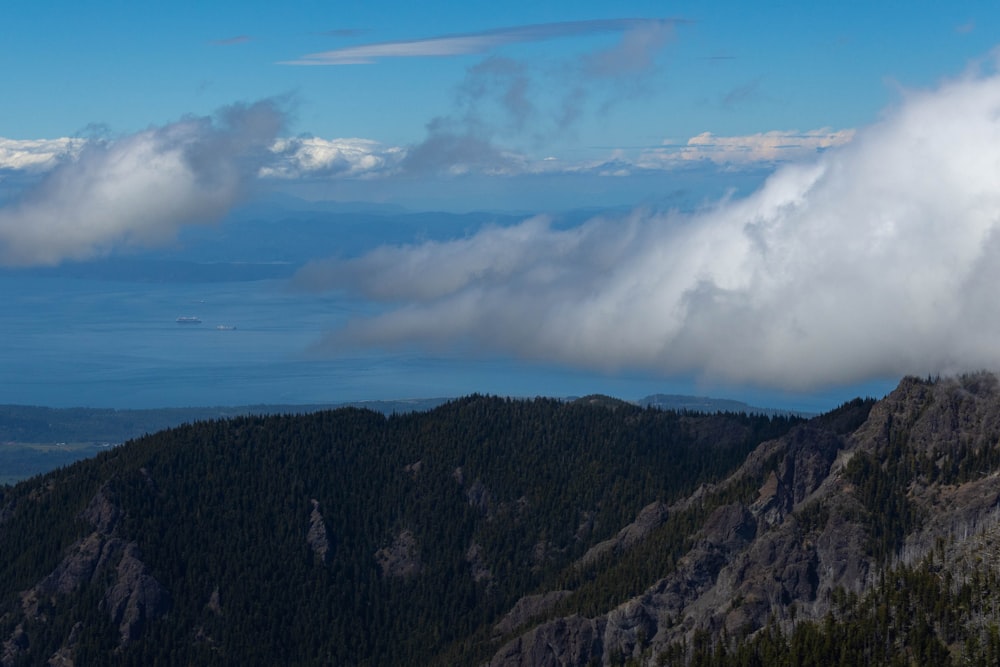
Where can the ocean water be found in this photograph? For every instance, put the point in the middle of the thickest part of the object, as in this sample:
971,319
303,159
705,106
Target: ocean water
105,333
117,344
103,343
77,342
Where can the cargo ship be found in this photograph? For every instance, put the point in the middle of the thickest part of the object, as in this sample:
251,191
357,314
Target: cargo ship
188,319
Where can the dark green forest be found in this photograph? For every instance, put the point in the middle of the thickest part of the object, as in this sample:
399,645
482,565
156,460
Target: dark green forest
436,524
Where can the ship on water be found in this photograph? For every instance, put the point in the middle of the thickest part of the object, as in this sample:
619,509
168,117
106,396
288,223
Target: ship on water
188,319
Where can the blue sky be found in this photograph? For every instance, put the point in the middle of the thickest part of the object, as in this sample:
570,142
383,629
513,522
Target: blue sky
803,193
727,68
521,88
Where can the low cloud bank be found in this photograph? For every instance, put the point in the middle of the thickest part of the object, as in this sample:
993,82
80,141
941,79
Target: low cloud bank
450,150
138,190
773,146
313,157
879,257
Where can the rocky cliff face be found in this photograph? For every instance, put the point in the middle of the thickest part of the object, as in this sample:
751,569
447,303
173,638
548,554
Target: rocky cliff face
400,559
809,532
132,596
318,537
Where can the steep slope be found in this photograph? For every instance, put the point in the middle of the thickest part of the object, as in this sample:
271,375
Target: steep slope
491,531
856,506
345,537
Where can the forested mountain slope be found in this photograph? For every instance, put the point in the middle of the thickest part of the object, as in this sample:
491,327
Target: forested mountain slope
35,440
349,537
505,532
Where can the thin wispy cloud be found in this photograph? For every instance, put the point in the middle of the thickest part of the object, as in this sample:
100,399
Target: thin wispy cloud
140,189
344,32
875,258
634,53
232,41
480,42
741,95
506,105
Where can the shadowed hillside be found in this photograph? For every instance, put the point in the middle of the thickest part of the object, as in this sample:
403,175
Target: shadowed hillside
339,537
508,532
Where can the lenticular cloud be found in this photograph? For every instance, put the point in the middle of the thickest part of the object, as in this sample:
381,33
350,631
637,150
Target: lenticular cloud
880,257
138,190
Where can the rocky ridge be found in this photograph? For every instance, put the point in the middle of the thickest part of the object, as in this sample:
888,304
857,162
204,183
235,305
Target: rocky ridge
782,557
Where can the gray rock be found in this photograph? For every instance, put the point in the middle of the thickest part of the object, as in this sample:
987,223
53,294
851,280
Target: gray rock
318,537
401,558
135,598
477,563
527,608
101,512
649,518
563,642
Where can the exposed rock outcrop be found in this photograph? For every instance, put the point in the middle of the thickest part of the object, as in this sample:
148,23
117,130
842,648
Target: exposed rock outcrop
479,497
477,564
565,641
747,564
214,603
133,597
401,558
101,512
318,536
649,518
527,608
64,656
16,644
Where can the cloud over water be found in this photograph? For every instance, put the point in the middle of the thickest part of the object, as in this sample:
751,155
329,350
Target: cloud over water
139,189
878,257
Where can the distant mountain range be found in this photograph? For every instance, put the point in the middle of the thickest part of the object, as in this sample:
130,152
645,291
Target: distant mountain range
706,404
495,531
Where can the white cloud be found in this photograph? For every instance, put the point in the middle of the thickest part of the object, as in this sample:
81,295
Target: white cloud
449,152
35,155
879,257
139,189
314,156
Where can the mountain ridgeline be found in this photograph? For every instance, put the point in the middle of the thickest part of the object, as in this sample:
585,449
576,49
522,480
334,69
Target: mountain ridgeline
522,532
35,440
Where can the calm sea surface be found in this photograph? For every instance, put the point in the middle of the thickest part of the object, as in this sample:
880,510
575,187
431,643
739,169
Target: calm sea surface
68,342
101,343
77,342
